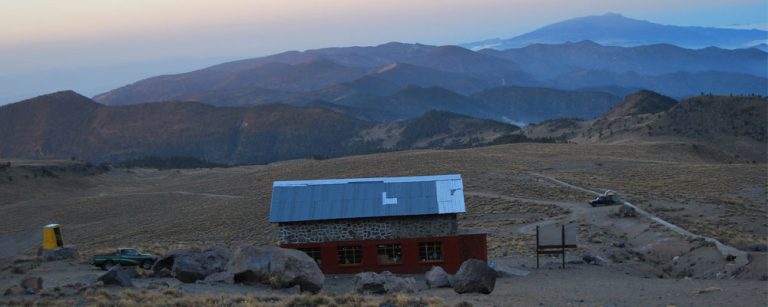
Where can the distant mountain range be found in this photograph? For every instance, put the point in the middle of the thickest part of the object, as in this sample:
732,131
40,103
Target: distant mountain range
66,125
376,78
616,30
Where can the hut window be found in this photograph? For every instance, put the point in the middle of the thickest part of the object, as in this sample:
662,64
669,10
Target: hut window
350,254
390,253
431,251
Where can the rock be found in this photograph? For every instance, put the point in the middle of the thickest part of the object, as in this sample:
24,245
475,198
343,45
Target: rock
22,268
278,267
707,290
33,284
62,253
382,283
117,275
162,273
187,269
474,276
626,211
437,278
619,255
192,265
594,259
14,290
759,247
166,261
619,244
222,277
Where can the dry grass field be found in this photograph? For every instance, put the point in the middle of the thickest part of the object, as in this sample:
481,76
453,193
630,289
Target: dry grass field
163,209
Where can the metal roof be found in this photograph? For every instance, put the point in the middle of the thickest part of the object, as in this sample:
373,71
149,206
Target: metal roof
327,199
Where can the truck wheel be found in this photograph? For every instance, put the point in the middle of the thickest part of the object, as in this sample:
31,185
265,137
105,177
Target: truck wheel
146,265
108,265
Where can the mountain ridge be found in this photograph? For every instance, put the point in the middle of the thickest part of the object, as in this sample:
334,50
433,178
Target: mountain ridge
66,125
617,30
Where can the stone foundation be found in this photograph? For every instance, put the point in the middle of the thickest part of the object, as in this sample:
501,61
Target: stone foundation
369,229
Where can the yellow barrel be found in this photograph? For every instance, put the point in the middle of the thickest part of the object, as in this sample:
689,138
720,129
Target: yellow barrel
52,237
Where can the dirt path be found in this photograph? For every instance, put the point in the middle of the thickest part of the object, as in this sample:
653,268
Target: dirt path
741,257
576,210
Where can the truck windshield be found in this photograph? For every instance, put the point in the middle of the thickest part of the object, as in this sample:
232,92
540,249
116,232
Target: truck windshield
129,252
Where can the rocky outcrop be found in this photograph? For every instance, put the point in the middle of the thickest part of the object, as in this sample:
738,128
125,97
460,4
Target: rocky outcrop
278,267
118,276
189,265
32,284
626,211
474,276
62,253
437,278
29,285
384,282
220,277
187,269
14,290
594,259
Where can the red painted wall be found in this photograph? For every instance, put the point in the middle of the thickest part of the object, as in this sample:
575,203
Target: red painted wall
456,249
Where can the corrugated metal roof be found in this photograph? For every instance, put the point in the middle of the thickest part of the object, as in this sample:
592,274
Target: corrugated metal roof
326,199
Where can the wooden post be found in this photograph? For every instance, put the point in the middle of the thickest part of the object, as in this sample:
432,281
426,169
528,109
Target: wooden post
537,246
562,238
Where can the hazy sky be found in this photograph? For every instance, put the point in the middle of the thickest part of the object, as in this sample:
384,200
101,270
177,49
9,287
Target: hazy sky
59,42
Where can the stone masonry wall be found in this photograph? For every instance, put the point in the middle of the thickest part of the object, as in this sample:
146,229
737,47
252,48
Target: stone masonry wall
369,229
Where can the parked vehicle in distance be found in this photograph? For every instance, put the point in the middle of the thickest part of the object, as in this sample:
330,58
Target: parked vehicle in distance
608,198
124,257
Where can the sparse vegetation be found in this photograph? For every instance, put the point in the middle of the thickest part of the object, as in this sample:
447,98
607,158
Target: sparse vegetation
174,162
171,296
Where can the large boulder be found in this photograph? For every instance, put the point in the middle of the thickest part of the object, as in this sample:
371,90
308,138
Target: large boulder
187,269
220,277
594,259
474,276
278,267
14,290
118,275
437,278
385,282
32,284
61,253
167,260
189,265
626,211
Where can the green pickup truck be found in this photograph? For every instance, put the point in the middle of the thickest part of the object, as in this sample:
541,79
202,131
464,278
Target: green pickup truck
124,257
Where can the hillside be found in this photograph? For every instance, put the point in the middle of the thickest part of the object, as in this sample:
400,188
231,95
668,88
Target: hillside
66,125
728,127
438,129
507,104
679,84
531,105
617,30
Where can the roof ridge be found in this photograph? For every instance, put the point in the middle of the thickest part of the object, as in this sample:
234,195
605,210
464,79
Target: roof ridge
289,183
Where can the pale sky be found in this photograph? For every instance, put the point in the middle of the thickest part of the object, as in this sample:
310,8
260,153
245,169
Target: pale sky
59,42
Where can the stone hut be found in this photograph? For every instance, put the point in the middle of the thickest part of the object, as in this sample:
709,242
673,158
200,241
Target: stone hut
396,224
